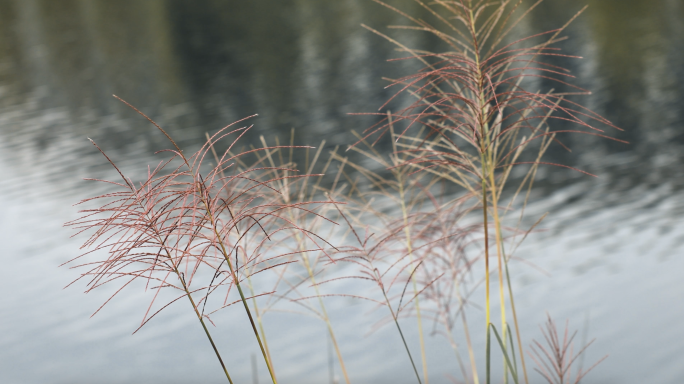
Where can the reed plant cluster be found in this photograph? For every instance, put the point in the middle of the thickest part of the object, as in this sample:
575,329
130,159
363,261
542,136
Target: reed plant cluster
417,229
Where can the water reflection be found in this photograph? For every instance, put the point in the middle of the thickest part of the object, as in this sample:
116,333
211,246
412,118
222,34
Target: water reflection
196,66
303,64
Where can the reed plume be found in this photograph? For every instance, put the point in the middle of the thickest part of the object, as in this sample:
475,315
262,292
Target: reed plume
393,236
302,289
181,229
472,114
556,360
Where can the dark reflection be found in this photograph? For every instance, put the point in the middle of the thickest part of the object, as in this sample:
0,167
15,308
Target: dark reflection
195,66
638,46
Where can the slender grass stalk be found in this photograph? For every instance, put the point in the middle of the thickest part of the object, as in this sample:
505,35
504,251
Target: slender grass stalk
488,357
328,324
262,331
206,331
407,196
409,247
204,197
300,194
487,165
185,223
400,177
163,248
478,120
373,274
396,322
507,359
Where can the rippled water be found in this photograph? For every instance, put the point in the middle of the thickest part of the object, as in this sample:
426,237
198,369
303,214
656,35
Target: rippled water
612,247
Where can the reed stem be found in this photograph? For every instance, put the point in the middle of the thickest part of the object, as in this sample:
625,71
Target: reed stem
206,331
286,195
396,322
212,221
409,248
162,243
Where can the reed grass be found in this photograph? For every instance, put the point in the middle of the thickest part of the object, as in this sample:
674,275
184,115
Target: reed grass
484,106
183,222
305,249
555,360
406,235
479,117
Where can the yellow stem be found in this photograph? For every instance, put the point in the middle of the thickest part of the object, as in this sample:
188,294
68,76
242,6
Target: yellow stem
499,239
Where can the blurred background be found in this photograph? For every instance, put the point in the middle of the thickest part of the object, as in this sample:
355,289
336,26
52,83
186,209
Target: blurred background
613,248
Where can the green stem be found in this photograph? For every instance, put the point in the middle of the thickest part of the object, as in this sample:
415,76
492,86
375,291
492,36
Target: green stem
162,241
396,321
204,326
233,271
249,315
515,320
213,224
488,354
488,163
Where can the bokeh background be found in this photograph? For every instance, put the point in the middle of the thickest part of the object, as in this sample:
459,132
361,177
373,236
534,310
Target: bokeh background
612,251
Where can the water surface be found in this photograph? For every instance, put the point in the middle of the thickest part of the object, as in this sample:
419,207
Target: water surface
612,247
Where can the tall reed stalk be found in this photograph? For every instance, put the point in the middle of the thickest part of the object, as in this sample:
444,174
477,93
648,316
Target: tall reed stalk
406,197
367,256
300,191
479,119
189,223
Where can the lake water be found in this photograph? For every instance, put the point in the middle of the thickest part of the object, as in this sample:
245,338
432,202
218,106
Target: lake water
612,248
